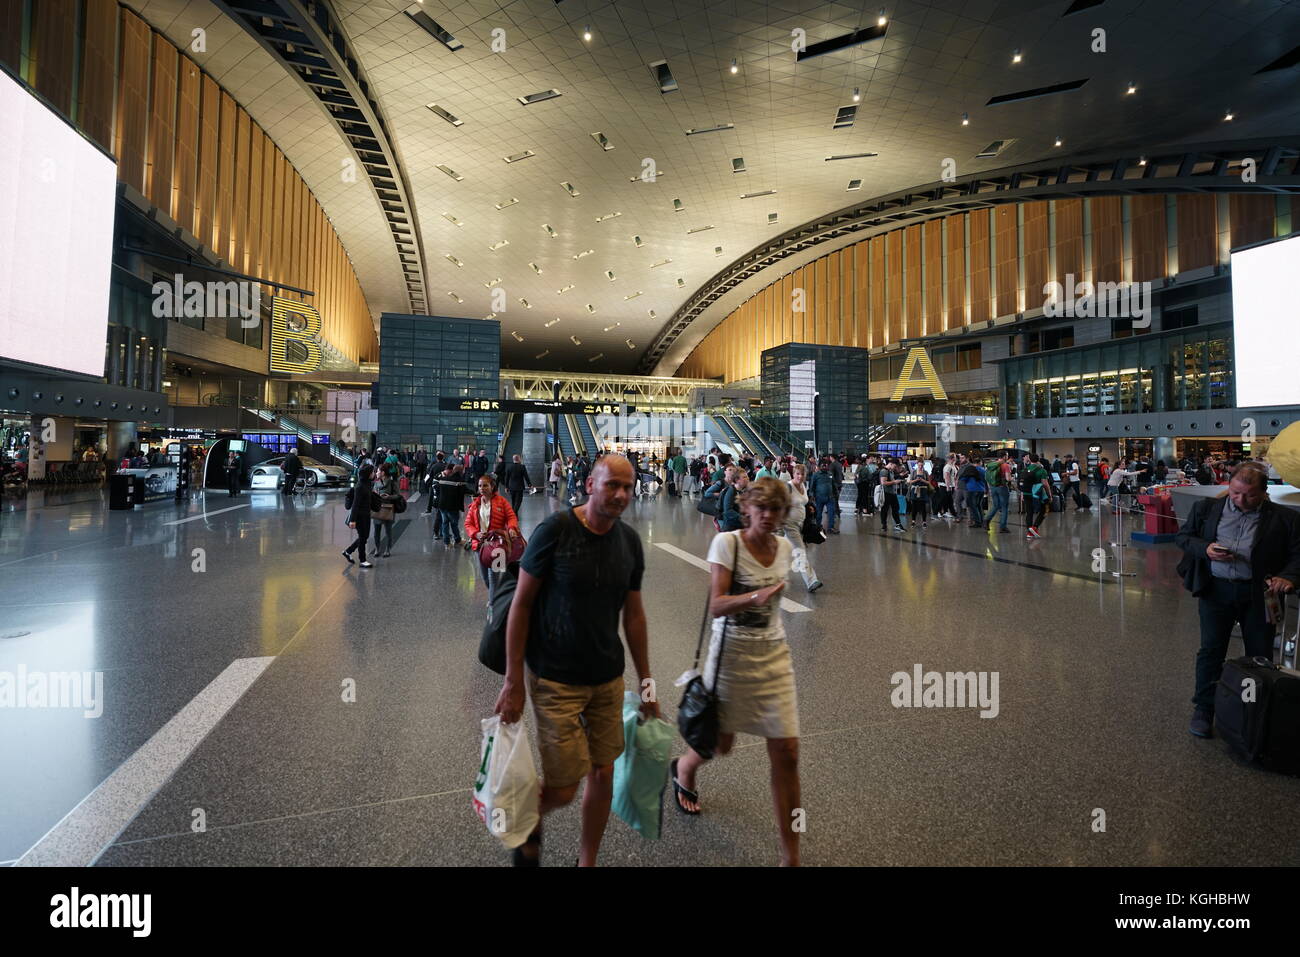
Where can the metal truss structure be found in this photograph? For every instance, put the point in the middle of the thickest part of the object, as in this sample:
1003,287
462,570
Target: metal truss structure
1253,166
307,39
660,393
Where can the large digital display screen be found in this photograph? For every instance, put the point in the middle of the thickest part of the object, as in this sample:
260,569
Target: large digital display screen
803,396
57,194
1264,324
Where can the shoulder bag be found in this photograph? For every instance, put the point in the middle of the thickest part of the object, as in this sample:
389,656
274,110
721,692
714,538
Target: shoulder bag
697,712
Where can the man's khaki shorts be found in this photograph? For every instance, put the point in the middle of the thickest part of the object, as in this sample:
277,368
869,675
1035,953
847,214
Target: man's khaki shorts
570,750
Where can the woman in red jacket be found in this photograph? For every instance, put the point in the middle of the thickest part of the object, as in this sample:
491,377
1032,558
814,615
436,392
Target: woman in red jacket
489,513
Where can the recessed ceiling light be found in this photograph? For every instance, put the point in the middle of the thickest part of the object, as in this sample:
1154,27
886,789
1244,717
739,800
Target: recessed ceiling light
651,314
1227,117
659,174
535,268
575,340
1058,142
525,303
633,296
449,117
450,172
569,188
549,230
735,67
490,315
506,202
696,131
762,192
698,229
1015,56
738,164
855,184
638,241
614,326
453,259
547,325
590,308
771,217
518,337
882,19
431,26
452,219
498,244
677,206
601,219
965,119
1142,161
630,343
564,289
532,98
609,274
857,95
598,355
585,252
543,354
586,33
681,281
849,156
516,157
602,141
492,282
717,250
662,262
454,296
1132,88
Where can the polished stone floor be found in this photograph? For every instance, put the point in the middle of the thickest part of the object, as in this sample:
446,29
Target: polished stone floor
224,697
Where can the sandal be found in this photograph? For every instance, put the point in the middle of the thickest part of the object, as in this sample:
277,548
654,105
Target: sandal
519,859
679,790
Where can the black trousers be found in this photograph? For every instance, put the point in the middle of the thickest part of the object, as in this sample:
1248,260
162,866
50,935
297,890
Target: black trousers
887,507
363,536
1227,603
516,499
232,482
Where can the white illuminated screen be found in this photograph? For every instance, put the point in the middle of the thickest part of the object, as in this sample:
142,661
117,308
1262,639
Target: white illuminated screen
1265,333
56,238
803,392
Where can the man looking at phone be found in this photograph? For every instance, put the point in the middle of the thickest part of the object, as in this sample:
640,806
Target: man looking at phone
1237,548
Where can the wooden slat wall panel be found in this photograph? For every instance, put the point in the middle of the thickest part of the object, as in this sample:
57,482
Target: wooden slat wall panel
765,310
132,101
1036,239
981,293
834,324
894,293
800,288
162,124
185,166
53,30
879,314
1069,240
1008,260
267,224
1197,231
1252,217
787,317
239,227
98,61
912,282
1150,244
225,178
861,305
11,34
1107,239
279,213
205,208
933,277
956,317
848,292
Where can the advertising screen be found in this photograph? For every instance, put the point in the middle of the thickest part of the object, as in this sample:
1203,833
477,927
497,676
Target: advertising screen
1264,324
803,394
56,238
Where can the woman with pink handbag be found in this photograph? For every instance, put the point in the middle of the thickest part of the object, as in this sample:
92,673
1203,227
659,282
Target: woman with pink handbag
491,527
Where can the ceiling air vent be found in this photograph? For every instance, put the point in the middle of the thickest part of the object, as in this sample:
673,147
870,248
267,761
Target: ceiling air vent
450,172
432,27
849,156
993,149
841,42
532,98
845,117
696,131
602,141
516,157
449,117
663,76
1037,92
738,164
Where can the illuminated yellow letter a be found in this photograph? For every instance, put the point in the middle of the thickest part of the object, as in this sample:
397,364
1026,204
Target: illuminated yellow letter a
929,378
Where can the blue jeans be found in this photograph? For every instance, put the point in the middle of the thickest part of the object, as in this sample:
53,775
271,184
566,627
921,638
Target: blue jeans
828,506
450,525
1001,503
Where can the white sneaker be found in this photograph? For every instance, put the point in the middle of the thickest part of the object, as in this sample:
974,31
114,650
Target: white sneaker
367,565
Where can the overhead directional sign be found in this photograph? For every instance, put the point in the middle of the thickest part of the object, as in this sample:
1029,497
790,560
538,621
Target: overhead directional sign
458,404
938,418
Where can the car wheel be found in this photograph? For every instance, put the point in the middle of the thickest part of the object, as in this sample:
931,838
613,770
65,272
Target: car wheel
311,479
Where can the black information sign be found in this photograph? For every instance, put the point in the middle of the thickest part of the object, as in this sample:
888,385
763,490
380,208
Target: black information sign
455,404
939,418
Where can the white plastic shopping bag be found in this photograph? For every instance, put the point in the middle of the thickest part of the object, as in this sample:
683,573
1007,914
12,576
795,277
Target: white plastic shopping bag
506,789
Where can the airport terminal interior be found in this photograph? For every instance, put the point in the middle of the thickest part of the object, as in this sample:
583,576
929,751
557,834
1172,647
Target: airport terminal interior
278,277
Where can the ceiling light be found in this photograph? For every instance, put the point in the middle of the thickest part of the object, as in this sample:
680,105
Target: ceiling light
638,242
633,296
525,303
590,308
662,262
490,315
1015,56
453,259
491,282
516,157
506,202
717,250
535,268
498,244
598,355
762,192
698,229
575,340
663,76
570,189
547,325
450,172
586,33
532,98
585,252
1131,89
1142,161
630,343
659,174
449,117
549,230
431,26
614,326
1227,117
454,296
857,95
1058,142
677,206
601,219
609,274
518,337
710,129
542,354
680,281
651,314
855,184
882,19
734,68
738,164
564,289
965,119
849,156
452,219
602,141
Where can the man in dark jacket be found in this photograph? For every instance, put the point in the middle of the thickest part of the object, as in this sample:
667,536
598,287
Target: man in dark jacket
1237,547
436,468
822,491
516,479
480,466
292,468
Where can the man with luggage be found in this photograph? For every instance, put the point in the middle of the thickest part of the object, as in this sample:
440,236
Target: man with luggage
580,575
1238,548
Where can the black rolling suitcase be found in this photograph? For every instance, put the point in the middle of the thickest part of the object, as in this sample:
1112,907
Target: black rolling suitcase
1081,500
1257,708
1058,500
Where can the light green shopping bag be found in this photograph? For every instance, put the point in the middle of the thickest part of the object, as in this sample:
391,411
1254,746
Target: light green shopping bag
641,771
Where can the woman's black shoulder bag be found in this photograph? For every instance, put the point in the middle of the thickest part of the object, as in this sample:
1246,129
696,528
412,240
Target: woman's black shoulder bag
697,713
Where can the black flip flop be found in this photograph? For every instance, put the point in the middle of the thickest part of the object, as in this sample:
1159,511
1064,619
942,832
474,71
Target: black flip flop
679,790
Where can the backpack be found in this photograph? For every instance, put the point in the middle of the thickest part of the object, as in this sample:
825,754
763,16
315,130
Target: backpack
994,475
1028,480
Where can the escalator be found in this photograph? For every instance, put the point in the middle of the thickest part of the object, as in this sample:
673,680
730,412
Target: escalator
749,435
565,438
729,432
723,439
513,441
587,432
